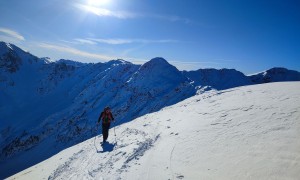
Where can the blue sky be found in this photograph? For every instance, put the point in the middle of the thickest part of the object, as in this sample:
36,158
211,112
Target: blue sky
248,35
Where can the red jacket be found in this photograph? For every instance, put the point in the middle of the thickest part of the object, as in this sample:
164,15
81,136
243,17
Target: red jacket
105,117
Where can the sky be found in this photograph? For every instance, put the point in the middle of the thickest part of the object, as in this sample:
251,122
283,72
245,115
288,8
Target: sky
248,35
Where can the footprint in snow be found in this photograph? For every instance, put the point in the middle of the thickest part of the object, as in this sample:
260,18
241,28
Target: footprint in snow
180,177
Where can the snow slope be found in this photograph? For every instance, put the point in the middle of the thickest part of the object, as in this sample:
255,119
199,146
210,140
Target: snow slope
249,132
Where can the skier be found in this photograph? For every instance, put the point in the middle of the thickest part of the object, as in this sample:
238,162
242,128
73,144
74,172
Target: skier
106,117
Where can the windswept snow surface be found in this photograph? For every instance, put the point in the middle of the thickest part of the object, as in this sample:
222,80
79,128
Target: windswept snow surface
249,132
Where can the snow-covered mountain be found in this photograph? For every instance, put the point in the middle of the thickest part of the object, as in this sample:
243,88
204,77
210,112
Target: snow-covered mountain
275,75
218,79
47,106
249,132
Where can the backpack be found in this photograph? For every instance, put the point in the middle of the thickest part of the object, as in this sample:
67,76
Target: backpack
106,118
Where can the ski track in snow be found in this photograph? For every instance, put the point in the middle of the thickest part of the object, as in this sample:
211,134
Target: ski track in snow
106,162
248,132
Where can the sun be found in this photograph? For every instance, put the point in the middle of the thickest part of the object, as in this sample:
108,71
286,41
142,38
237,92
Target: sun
98,2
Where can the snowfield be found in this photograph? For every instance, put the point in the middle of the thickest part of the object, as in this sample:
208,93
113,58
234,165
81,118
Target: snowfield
250,132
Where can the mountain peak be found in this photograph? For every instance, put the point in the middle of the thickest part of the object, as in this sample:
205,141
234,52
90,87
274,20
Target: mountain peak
158,61
217,78
159,64
277,70
5,47
117,62
158,72
47,60
13,57
275,74
70,62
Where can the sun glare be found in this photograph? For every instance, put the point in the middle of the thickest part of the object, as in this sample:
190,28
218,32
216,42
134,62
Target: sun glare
97,2
97,11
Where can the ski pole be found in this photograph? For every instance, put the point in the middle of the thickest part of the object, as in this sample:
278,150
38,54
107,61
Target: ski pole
115,132
115,129
96,134
96,130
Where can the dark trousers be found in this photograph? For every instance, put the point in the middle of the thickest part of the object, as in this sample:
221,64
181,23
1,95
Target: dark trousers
105,128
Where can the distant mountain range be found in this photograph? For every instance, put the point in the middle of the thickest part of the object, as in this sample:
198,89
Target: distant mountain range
48,106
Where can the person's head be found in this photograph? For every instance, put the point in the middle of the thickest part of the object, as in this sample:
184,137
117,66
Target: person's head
107,109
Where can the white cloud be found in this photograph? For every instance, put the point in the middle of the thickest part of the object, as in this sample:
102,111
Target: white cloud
94,41
147,41
12,33
126,15
85,41
74,51
129,41
106,12
111,41
96,57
